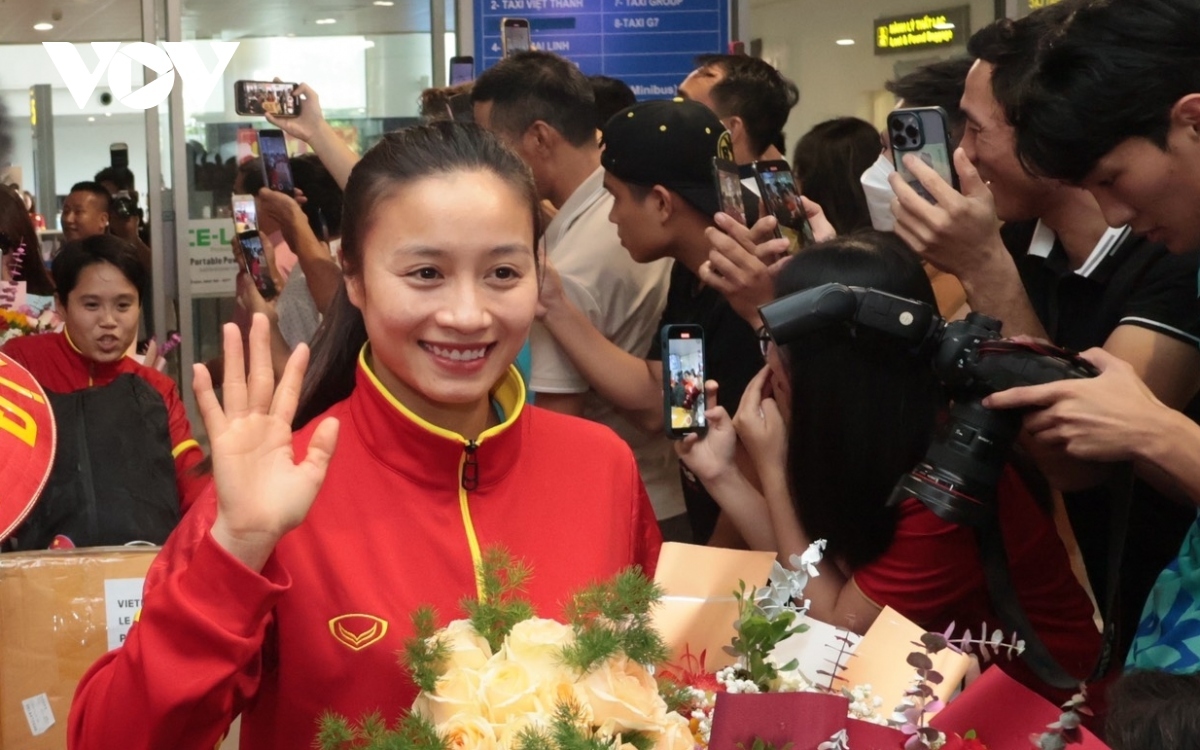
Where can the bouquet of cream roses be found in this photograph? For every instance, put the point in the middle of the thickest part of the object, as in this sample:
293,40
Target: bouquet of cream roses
503,679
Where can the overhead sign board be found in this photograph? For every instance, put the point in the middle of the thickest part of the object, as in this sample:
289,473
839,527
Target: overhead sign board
922,30
650,44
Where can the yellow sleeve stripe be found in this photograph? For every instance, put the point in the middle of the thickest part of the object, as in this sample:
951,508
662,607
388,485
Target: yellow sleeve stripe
184,446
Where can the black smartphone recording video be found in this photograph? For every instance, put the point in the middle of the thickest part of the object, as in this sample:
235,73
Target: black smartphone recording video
683,381
277,171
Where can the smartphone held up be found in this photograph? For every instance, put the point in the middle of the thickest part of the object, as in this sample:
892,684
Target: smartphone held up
781,198
254,262
924,132
245,214
462,70
729,189
514,35
683,381
265,98
277,170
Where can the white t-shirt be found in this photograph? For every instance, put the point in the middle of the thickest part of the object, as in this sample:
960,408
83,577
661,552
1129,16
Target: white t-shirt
624,299
298,316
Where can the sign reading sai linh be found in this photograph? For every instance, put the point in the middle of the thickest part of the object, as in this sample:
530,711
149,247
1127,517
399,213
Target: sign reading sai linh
919,31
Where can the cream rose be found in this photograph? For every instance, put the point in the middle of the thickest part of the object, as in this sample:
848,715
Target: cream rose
676,734
508,734
468,649
507,690
466,732
457,694
623,697
536,642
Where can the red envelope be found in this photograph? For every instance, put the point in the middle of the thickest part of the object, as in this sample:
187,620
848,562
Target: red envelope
1003,713
803,719
863,735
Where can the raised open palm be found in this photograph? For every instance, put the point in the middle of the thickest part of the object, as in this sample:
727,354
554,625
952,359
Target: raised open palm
262,492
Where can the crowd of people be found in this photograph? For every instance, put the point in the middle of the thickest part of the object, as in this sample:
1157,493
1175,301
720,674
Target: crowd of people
377,426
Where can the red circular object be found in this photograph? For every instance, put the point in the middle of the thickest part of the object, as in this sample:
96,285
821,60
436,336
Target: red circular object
27,440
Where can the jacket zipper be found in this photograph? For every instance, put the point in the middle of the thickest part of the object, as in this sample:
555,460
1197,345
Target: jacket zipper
85,469
468,479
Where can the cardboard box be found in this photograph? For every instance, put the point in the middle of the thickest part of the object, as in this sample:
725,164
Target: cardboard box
60,611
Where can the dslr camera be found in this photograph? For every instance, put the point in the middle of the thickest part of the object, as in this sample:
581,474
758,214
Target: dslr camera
957,478
125,204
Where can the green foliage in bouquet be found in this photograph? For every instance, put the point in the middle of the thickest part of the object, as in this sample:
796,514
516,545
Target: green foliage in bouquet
501,579
609,619
679,698
567,732
613,618
411,732
424,654
493,615
758,632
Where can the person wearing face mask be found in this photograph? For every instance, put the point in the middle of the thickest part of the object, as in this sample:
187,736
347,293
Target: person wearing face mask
1055,270
288,589
102,490
937,84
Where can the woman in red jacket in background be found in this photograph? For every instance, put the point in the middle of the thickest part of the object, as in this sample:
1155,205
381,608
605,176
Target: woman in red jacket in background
287,591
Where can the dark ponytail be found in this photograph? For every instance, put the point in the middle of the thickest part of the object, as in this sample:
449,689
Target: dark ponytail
398,159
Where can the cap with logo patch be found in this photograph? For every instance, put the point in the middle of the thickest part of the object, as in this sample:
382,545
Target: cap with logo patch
668,143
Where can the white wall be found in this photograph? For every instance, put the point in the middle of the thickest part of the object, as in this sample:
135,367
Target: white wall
798,38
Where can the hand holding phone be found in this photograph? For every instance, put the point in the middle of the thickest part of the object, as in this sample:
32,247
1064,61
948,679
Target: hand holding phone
922,131
277,170
684,370
252,256
245,214
258,98
781,198
729,188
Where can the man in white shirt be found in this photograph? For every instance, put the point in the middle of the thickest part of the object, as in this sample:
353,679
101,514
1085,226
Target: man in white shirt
543,107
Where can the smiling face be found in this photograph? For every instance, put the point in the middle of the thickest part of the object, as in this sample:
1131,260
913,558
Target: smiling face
83,215
101,313
448,289
990,143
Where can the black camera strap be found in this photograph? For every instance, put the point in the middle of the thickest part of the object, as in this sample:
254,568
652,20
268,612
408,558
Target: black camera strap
1008,607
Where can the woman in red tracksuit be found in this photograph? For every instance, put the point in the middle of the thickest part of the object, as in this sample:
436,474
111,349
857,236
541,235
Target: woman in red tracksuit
287,590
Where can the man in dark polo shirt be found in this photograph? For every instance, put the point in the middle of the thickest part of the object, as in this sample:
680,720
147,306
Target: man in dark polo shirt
1057,271
1113,105
658,166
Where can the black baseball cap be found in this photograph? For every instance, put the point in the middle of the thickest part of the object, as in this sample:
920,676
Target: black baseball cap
669,143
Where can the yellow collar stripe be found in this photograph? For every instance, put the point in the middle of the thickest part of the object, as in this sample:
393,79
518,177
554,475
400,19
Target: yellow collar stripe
509,393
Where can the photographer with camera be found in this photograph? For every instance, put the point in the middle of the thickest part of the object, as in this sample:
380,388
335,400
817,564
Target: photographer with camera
840,416
1114,106
1056,270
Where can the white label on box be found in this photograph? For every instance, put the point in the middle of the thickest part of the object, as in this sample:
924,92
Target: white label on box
122,602
38,713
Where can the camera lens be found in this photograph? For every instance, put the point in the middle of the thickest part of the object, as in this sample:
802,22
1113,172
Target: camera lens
899,140
958,477
911,131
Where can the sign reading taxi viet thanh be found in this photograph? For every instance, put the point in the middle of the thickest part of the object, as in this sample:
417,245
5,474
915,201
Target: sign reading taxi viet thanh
922,30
